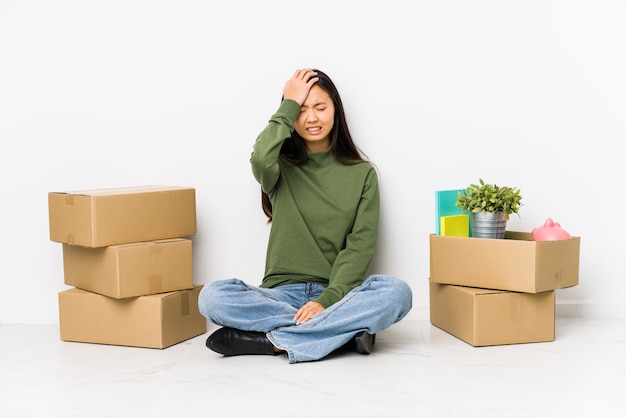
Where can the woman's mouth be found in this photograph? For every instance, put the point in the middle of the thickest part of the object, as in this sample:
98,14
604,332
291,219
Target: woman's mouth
314,130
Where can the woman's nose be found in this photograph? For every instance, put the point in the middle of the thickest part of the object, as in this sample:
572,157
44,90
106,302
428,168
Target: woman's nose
311,116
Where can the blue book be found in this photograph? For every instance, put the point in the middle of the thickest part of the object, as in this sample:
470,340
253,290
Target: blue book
445,205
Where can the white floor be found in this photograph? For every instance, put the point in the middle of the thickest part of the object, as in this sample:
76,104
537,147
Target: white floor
416,370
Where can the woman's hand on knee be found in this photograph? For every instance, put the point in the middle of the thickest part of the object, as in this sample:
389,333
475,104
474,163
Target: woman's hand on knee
307,312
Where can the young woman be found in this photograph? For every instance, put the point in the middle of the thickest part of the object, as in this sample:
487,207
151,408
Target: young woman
321,196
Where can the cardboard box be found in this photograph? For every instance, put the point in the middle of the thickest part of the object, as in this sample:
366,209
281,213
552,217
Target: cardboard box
99,218
483,317
515,263
127,270
154,321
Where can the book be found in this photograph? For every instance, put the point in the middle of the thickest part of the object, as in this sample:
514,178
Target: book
445,205
455,225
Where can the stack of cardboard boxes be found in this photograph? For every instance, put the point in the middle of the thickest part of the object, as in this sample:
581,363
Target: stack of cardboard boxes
499,291
128,256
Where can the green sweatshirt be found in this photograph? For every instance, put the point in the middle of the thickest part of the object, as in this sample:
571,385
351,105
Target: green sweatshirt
325,214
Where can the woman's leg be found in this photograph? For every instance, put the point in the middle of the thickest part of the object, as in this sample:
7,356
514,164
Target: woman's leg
235,304
247,312
378,303
371,307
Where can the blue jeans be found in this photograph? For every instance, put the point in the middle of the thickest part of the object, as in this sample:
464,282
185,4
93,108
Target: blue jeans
379,302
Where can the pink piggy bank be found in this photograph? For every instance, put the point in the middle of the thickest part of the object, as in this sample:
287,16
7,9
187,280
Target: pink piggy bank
550,231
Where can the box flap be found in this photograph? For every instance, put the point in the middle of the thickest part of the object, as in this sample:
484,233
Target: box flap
122,190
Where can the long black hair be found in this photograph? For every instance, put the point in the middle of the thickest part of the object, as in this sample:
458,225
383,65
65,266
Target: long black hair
342,146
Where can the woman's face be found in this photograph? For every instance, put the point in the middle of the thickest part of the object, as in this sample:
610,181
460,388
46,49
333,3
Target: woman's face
316,119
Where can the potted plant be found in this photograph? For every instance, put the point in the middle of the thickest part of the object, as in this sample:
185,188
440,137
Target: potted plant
489,206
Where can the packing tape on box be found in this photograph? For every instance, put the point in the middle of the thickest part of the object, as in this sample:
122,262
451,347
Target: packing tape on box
155,249
558,279
155,283
184,303
69,199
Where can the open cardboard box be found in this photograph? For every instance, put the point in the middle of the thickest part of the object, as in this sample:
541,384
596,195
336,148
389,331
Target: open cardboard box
515,263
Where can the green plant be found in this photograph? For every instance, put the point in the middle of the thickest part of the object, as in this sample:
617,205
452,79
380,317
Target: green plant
490,198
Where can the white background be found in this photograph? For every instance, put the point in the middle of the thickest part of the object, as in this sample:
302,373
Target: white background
99,94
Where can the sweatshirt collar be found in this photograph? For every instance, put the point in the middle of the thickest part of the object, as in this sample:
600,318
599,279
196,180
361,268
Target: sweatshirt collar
320,158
